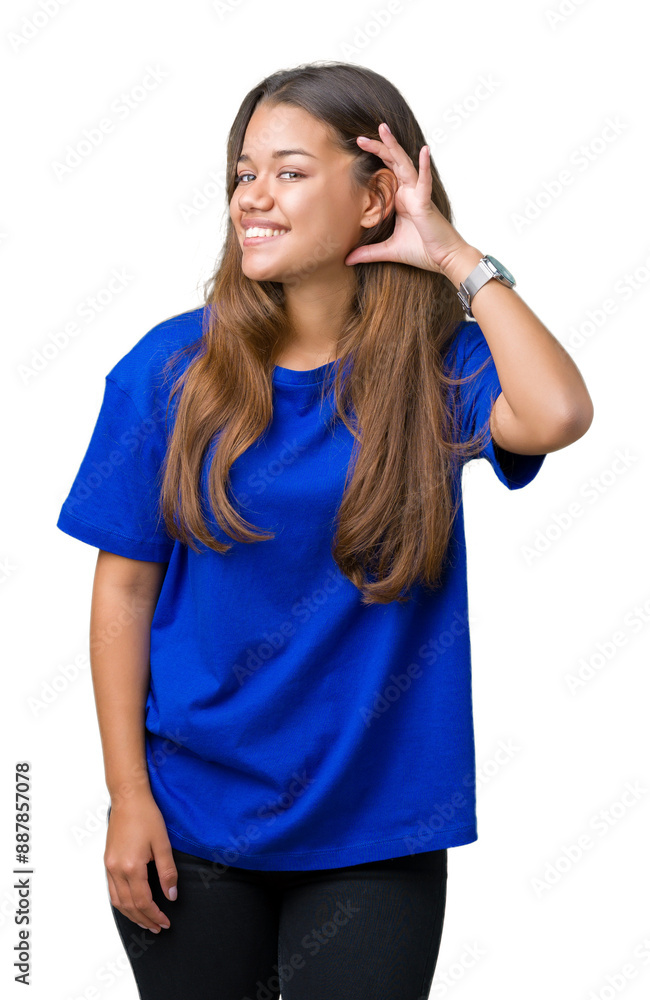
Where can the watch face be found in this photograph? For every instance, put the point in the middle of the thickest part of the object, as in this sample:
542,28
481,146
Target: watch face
499,266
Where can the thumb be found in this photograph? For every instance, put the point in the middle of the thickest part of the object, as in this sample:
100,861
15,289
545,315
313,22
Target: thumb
167,871
369,253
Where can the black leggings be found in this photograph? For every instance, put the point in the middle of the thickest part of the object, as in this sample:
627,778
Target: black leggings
363,932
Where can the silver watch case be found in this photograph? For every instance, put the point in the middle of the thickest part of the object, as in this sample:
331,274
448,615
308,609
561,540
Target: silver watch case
488,267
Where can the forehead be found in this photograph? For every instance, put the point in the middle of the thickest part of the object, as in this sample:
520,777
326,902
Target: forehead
282,130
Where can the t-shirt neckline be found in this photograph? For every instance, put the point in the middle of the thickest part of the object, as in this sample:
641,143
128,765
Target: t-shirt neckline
290,376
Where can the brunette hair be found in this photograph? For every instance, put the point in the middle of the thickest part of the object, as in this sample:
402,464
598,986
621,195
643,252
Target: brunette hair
397,399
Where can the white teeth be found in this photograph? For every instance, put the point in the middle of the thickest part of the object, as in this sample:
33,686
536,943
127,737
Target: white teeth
265,232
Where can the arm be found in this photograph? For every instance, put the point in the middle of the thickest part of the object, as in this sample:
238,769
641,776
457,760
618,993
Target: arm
544,404
125,593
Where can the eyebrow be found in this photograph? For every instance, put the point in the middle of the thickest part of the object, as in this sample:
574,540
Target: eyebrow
277,153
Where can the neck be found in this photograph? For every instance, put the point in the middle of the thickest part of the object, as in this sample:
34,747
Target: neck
316,317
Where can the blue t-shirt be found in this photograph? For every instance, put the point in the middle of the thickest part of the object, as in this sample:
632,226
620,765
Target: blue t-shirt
289,726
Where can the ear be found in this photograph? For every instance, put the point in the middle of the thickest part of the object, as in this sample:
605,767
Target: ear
382,188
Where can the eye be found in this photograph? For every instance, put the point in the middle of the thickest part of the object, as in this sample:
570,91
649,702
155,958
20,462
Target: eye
295,173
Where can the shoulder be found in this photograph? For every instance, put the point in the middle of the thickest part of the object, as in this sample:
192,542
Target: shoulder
143,372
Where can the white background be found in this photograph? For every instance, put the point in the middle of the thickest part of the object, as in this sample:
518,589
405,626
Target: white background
556,570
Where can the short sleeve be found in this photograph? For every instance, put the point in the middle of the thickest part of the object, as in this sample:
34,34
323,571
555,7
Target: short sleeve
114,500
476,398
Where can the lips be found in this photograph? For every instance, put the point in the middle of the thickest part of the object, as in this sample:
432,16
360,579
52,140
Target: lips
261,224
254,240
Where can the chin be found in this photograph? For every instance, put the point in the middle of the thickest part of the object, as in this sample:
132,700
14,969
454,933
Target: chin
262,274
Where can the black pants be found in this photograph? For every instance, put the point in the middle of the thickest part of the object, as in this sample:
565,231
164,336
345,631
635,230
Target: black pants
364,932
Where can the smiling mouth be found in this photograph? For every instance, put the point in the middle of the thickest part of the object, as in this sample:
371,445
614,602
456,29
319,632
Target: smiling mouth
253,240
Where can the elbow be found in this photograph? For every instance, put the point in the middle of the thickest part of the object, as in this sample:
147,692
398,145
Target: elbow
574,424
580,417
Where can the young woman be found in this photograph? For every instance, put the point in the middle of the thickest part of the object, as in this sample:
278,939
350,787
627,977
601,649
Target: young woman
279,640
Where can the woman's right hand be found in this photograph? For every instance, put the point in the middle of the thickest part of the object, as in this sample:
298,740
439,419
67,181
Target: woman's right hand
136,835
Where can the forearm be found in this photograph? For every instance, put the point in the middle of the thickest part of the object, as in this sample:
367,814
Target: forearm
121,615
539,380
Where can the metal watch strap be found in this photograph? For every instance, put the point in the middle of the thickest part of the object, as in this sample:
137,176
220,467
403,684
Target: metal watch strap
479,276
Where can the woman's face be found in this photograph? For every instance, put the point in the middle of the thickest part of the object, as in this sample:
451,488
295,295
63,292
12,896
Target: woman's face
311,196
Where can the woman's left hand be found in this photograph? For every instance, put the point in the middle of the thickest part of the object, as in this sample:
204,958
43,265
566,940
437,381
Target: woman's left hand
422,236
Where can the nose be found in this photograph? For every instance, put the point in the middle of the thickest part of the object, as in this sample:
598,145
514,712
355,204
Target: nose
252,196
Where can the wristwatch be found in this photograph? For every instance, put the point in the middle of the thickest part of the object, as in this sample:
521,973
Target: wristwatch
487,267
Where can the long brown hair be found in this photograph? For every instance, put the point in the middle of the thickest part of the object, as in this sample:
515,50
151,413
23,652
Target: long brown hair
400,498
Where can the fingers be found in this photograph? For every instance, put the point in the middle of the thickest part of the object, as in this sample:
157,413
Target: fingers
130,893
114,897
425,181
389,149
166,868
